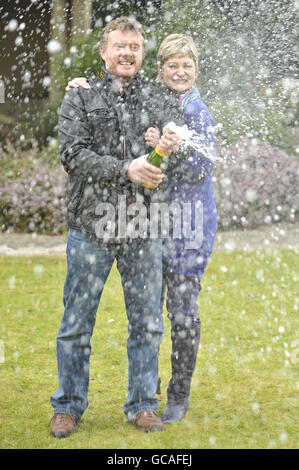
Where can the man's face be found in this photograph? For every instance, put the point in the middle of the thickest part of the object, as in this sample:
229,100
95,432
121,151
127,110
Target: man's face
123,54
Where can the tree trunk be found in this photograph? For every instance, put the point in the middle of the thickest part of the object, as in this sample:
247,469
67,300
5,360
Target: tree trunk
81,23
57,43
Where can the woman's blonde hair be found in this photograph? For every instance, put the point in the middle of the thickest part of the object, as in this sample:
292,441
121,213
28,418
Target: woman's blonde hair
176,45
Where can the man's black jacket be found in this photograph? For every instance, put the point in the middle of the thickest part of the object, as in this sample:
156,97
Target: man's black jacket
100,133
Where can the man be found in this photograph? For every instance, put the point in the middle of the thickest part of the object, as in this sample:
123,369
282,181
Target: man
101,139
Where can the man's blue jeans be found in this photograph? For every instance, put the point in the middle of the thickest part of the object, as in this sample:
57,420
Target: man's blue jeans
88,266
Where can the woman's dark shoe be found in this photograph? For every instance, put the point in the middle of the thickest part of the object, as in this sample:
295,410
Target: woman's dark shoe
174,411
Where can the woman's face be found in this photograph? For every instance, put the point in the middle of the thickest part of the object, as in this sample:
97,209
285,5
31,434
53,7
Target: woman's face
179,73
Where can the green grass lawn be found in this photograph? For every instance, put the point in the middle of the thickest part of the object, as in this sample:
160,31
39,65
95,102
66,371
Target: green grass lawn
245,391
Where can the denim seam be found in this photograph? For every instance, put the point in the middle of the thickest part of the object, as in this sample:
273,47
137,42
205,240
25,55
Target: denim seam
131,420
66,412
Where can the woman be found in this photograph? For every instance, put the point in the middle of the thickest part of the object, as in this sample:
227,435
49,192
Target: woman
189,182
190,185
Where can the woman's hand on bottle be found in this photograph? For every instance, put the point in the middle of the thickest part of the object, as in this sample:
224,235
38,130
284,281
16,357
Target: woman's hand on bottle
140,171
76,82
169,142
152,136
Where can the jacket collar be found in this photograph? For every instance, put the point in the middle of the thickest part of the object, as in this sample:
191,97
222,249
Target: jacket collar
109,79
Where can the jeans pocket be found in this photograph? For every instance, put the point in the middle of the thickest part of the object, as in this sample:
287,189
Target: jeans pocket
77,235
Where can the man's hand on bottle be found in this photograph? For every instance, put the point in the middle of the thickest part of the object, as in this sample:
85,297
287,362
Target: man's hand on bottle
140,171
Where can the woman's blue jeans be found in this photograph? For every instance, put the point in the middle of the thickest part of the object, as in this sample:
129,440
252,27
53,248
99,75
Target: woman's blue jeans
88,265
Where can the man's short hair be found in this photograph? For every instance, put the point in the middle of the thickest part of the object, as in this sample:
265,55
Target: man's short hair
123,23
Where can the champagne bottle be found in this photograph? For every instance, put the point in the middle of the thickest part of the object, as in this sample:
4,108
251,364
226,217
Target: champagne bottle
159,159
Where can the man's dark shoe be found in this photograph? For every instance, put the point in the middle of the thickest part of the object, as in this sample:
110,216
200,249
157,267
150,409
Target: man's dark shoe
148,421
62,425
